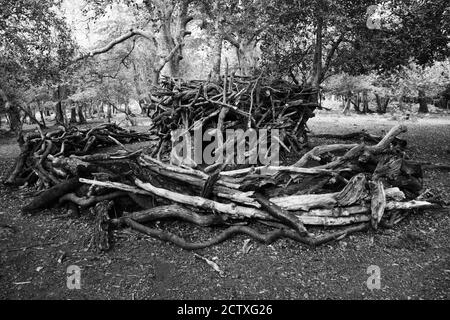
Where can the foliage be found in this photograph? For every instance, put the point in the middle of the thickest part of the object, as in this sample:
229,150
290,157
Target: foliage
35,43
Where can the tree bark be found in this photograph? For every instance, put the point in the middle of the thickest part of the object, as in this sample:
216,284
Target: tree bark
365,101
59,112
317,64
108,112
217,46
81,118
423,106
382,103
13,113
73,115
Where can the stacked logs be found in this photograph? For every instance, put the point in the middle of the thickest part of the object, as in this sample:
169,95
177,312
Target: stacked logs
235,103
346,187
40,151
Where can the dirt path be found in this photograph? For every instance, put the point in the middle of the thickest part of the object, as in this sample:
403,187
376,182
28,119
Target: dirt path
414,258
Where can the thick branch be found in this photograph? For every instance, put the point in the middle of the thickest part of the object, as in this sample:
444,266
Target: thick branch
113,43
267,238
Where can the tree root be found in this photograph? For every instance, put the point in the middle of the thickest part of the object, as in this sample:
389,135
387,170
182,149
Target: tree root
267,238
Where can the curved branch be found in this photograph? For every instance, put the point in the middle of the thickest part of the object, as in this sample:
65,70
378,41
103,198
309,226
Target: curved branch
113,43
87,202
173,211
267,238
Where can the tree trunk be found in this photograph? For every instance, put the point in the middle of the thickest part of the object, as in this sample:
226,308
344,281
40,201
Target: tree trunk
357,103
382,103
317,64
127,109
155,76
173,65
15,124
247,56
59,112
315,77
108,112
12,112
42,118
347,104
423,106
401,103
386,103
73,115
41,113
169,41
81,117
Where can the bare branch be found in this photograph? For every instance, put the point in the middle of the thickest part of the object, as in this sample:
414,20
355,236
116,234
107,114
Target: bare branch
113,43
330,55
232,40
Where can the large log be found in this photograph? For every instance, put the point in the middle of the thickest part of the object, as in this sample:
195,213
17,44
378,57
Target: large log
51,196
323,216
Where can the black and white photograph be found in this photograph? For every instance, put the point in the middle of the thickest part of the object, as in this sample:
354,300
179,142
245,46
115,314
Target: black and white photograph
228,157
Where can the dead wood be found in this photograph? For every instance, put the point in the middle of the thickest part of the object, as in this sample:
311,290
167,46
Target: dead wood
175,212
344,186
51,196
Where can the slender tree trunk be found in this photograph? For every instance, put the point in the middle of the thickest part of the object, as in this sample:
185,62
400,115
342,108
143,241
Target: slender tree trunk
217,44
348,100
385,104
127,109
42,118
73,115
365,102
357,103
401,105
382,103
217,59
108,112
317,64
59,112
155,76
315,77
81,117
423,106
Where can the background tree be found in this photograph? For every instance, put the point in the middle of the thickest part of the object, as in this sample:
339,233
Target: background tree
35,44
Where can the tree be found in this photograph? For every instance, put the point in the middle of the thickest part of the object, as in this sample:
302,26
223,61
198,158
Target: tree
35,44
353,89
167,32
407,31
311,40
424,81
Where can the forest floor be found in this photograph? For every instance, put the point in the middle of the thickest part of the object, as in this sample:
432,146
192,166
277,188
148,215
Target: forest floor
414,257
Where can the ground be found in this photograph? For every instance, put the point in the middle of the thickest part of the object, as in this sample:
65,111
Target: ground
414,257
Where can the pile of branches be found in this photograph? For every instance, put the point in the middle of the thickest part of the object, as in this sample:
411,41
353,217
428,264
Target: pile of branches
236,103
344,187
40,151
